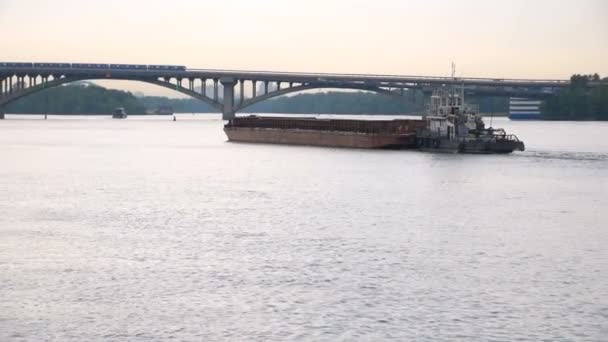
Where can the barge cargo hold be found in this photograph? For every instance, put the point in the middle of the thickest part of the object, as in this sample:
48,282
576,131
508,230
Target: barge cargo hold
396,134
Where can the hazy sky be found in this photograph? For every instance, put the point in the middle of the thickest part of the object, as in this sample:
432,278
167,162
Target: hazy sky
490,38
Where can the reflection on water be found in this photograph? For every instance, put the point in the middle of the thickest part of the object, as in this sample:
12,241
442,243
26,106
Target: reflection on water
150,229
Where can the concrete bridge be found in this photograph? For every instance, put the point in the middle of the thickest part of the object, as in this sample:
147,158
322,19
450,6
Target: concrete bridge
230,91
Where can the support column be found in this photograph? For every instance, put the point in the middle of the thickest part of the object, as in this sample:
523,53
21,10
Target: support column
242,90
228,98
254,88
215,89
204,86
265,87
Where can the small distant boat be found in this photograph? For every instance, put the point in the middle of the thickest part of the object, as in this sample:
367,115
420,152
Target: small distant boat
119,113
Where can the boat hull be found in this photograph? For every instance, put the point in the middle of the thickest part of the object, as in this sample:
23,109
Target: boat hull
320,138
499,146
372,134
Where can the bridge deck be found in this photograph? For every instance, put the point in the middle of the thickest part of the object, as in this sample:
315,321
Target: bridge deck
298,77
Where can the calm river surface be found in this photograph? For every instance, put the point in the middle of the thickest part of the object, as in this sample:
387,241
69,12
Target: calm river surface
148,229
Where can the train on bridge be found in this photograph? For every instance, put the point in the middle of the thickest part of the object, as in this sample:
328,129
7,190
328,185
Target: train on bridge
95,66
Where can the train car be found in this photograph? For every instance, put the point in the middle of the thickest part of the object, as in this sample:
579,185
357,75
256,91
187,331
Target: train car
52,65
129,66
89,66
167,67
19,65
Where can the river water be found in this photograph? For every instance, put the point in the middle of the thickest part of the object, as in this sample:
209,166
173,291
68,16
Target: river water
148,229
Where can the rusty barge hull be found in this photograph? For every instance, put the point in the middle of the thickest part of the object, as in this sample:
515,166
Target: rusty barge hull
373,134
319,138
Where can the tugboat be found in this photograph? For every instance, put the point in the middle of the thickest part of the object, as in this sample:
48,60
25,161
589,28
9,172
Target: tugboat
454,127
119,113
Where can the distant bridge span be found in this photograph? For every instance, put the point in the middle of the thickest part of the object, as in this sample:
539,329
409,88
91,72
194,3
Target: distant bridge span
234,90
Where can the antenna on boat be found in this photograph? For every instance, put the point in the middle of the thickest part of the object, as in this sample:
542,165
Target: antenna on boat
462,93
453,86
461,85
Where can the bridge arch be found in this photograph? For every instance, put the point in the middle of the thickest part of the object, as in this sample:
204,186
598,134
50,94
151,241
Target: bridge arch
20,93
226,102
310,86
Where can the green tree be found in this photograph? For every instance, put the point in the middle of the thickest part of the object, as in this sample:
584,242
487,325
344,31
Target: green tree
77,99
579,101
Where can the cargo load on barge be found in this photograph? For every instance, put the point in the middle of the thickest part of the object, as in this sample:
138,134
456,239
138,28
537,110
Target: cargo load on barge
392,134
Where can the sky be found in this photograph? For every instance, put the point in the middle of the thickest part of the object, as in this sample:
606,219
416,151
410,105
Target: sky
485,38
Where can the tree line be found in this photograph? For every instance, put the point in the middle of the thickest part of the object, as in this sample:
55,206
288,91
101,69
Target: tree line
579,101
88,98
80,98
331,102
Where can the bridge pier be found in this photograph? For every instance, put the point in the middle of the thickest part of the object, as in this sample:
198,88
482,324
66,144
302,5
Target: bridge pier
228,84
1,113
241,91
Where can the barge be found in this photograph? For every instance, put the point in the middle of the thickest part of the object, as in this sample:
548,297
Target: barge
375,134
449,125
463,132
